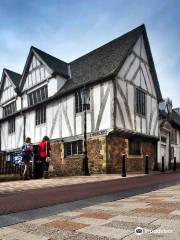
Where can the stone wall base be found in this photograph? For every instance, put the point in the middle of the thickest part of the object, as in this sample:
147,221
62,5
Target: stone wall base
104,154
116,146
72,165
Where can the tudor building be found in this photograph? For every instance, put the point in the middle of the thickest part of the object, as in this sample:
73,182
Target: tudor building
122,116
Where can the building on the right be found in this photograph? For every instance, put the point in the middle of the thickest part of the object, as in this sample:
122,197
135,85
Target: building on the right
169,134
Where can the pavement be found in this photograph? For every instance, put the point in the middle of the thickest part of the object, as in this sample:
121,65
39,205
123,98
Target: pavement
27,195
154,214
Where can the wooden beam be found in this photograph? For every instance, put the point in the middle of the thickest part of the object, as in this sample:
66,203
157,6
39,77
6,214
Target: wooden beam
135,74
92,109
121,115
64,110
149,79
144,80
151,117
102,107
54,123
129,67
125,104
140,58
60,119
155,124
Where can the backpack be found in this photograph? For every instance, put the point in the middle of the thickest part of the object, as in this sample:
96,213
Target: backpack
24,152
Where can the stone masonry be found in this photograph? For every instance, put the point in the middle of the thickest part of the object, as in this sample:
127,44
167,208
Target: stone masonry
104,154
72,165
116,146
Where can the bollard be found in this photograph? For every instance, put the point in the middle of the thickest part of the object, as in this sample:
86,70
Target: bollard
162,164
174,167
146,170
123,174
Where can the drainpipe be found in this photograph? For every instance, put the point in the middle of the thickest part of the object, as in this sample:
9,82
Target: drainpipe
169,151
169,162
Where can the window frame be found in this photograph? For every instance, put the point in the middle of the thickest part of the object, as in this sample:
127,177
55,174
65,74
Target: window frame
9,109
78,101
133,144
140,102
11,126
69,151
38,95
40,116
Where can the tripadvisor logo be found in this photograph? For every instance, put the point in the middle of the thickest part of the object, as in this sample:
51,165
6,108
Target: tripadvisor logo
139,231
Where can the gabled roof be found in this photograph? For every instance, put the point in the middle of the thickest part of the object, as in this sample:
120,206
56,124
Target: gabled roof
13,77
55,65
98,65
107,60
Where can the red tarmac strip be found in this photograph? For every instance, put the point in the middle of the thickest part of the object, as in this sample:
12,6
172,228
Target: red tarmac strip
37,198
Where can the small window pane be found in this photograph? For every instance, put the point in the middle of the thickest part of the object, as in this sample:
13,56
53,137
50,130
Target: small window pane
79,147
11,126
134,147
40,115
74,147
140,102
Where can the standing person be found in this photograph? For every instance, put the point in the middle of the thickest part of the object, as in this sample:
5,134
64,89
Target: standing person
44,153
27,153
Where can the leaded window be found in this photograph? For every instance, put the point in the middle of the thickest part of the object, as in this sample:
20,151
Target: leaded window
134,147
73,148
41,115
140,102
9,109
78,101
11,126
38,95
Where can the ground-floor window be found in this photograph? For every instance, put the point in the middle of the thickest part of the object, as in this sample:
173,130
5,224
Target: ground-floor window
72,148
41,115
134,147
11,126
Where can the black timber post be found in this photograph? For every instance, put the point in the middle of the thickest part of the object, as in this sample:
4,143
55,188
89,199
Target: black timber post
24,127
162,164
123,173
156,157
174,166
146,170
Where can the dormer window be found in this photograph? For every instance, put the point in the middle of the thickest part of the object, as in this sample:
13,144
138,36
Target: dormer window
38,95
9,109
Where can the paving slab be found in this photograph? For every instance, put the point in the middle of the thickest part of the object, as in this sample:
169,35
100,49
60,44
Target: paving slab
106,231
106,217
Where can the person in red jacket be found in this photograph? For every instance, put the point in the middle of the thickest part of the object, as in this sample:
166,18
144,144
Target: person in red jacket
44,150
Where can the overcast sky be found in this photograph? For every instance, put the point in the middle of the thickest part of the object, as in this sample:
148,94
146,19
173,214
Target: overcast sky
68,29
